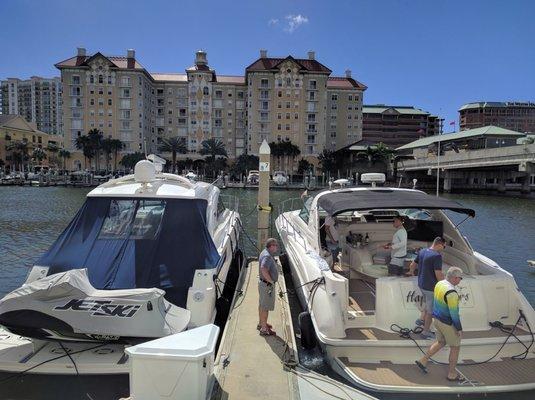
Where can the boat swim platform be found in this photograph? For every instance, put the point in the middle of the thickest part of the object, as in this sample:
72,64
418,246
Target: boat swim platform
250,366
503,375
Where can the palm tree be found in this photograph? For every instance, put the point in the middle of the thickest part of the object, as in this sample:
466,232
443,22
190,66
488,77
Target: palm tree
276,151
107,146
213,148
19,149
129,161
52,149
291,151
327,159
95,140
174,145
64,154
117,145
83,143
38,154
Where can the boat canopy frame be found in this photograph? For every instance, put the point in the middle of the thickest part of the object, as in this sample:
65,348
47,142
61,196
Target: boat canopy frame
340,201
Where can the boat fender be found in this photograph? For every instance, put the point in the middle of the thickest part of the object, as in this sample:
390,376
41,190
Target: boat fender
308,335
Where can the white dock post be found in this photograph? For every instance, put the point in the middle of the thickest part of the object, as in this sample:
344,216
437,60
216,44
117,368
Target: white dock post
263,194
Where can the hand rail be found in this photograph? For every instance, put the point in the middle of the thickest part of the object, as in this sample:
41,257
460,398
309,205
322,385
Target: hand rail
286,223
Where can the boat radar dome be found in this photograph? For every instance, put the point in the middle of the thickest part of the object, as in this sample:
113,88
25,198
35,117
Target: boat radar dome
373,178
144,171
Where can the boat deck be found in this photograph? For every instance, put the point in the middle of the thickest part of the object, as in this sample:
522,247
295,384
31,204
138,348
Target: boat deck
362,296
378,334
501,375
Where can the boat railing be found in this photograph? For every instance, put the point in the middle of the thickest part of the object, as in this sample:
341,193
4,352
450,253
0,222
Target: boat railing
230,202
295,232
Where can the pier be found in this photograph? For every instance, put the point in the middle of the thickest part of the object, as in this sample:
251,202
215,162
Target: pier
252,366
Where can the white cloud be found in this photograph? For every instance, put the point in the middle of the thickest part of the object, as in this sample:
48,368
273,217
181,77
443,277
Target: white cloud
294,22
273,21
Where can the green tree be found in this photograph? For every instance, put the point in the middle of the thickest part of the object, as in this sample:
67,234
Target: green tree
107,145
130,160
52,150
19,153
212,148
116,145
289,151
244,163
174,145
38,155
303,166
95,142
64,154
328,161
84,143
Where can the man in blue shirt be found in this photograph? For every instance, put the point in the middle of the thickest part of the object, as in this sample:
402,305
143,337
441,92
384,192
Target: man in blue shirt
429,264
268,275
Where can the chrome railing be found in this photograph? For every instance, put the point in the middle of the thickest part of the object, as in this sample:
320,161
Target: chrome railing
295,232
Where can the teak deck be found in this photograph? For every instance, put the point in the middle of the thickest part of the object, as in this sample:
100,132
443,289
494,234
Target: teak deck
505,372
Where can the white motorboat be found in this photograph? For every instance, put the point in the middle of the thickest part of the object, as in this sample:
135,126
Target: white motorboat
253,177
362,318
147,255
192,176
280,178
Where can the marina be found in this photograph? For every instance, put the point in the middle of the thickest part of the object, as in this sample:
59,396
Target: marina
291,370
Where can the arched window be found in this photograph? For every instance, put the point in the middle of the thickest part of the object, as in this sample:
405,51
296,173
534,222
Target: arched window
100,79
205,91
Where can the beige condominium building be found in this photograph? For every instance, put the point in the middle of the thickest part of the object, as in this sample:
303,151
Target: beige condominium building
37,100
277,99
516,116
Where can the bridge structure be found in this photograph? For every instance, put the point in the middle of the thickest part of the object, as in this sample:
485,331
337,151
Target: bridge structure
462,167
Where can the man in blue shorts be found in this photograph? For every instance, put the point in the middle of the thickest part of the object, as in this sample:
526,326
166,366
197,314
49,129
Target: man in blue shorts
429,264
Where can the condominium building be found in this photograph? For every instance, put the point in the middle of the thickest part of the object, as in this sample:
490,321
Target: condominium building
37,100
277,99
397,125
516,116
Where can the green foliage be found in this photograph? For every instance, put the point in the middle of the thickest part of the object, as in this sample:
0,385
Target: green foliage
244,163
174,145
303,167
130,160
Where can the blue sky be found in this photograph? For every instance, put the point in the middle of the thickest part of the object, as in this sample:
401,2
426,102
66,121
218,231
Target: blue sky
434,54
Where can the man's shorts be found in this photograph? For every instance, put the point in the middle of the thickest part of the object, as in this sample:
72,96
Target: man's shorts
446,334
429,297
266,296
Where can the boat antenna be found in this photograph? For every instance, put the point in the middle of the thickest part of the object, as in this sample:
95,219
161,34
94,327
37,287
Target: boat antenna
456,226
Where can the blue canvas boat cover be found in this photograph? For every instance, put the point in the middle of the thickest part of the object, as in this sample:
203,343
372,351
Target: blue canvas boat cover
136,243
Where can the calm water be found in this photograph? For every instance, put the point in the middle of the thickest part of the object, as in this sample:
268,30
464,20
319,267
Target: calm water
31,218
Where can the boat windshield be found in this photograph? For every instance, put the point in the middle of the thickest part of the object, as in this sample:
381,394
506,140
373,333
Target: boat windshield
130,243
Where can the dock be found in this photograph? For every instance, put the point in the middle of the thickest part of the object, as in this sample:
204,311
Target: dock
250,366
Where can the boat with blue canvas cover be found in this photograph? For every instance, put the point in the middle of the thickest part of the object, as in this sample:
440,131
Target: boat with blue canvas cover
147,255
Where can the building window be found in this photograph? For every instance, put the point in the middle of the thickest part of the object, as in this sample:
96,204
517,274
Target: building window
334,97
91,102
264,83
100,79
75,80
205,91
312,85
91,79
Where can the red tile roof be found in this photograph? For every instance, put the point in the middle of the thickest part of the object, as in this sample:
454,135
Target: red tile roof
340,82
119,61
269,63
